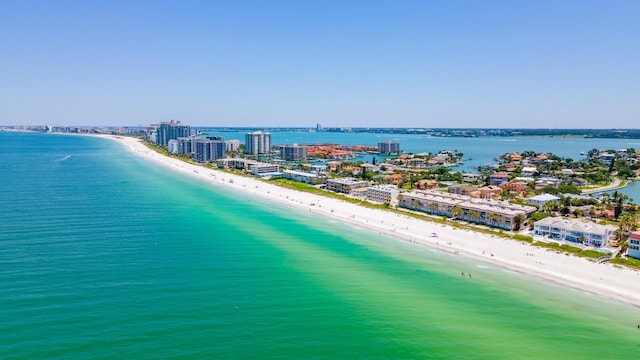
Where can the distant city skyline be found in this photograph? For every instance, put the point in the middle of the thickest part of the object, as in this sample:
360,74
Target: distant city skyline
423,64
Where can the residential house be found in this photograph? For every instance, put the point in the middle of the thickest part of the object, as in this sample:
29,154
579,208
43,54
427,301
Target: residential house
634,245
426,184
490,192
498,178
542,199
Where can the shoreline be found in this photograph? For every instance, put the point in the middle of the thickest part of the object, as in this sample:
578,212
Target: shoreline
604,280
618,184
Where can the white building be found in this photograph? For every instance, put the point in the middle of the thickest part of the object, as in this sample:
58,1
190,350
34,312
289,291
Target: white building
263,168
387,194
173,146
528,171
634,245
306,177
574,230
232,145
235,163
345,185
542,199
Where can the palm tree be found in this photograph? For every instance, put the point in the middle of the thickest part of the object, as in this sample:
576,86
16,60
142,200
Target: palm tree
474,215
506,194
432,206
517,221
549,207
414,203
618,236
628,222
494,218
456,211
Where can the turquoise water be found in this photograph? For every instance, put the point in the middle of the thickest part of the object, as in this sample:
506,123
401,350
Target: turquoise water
104,255
632,190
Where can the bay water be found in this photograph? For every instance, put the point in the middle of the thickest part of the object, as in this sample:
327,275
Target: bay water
104,255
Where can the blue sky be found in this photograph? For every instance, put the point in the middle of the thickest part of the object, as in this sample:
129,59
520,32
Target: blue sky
550,64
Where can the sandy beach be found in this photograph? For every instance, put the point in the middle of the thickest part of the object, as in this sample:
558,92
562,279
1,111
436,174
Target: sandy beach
606,280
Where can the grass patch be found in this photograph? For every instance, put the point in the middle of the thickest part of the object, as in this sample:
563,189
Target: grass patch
628,262
525,238
568,249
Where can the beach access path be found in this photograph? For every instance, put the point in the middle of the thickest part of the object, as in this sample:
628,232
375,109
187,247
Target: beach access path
604,279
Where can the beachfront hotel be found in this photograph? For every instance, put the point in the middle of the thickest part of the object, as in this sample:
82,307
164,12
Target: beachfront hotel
257,142
500,214
575,231
345,185
634,245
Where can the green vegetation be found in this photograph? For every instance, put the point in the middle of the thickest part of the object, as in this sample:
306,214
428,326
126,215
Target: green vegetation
628,262
525,238
568,249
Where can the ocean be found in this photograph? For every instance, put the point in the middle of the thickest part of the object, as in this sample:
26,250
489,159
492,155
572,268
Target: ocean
104,255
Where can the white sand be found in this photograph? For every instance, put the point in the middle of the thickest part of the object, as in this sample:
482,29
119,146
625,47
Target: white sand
603,279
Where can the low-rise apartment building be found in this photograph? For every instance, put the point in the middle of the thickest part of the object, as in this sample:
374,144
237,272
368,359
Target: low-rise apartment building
574,230
386,194
306,177
263,168
345,185
500,214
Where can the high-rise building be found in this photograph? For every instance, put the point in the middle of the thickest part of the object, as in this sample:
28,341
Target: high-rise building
186,145
173,146
171,130
209,148
232,145
389,147
257,143
293,152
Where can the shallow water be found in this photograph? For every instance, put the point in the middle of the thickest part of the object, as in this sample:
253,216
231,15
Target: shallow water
104,255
